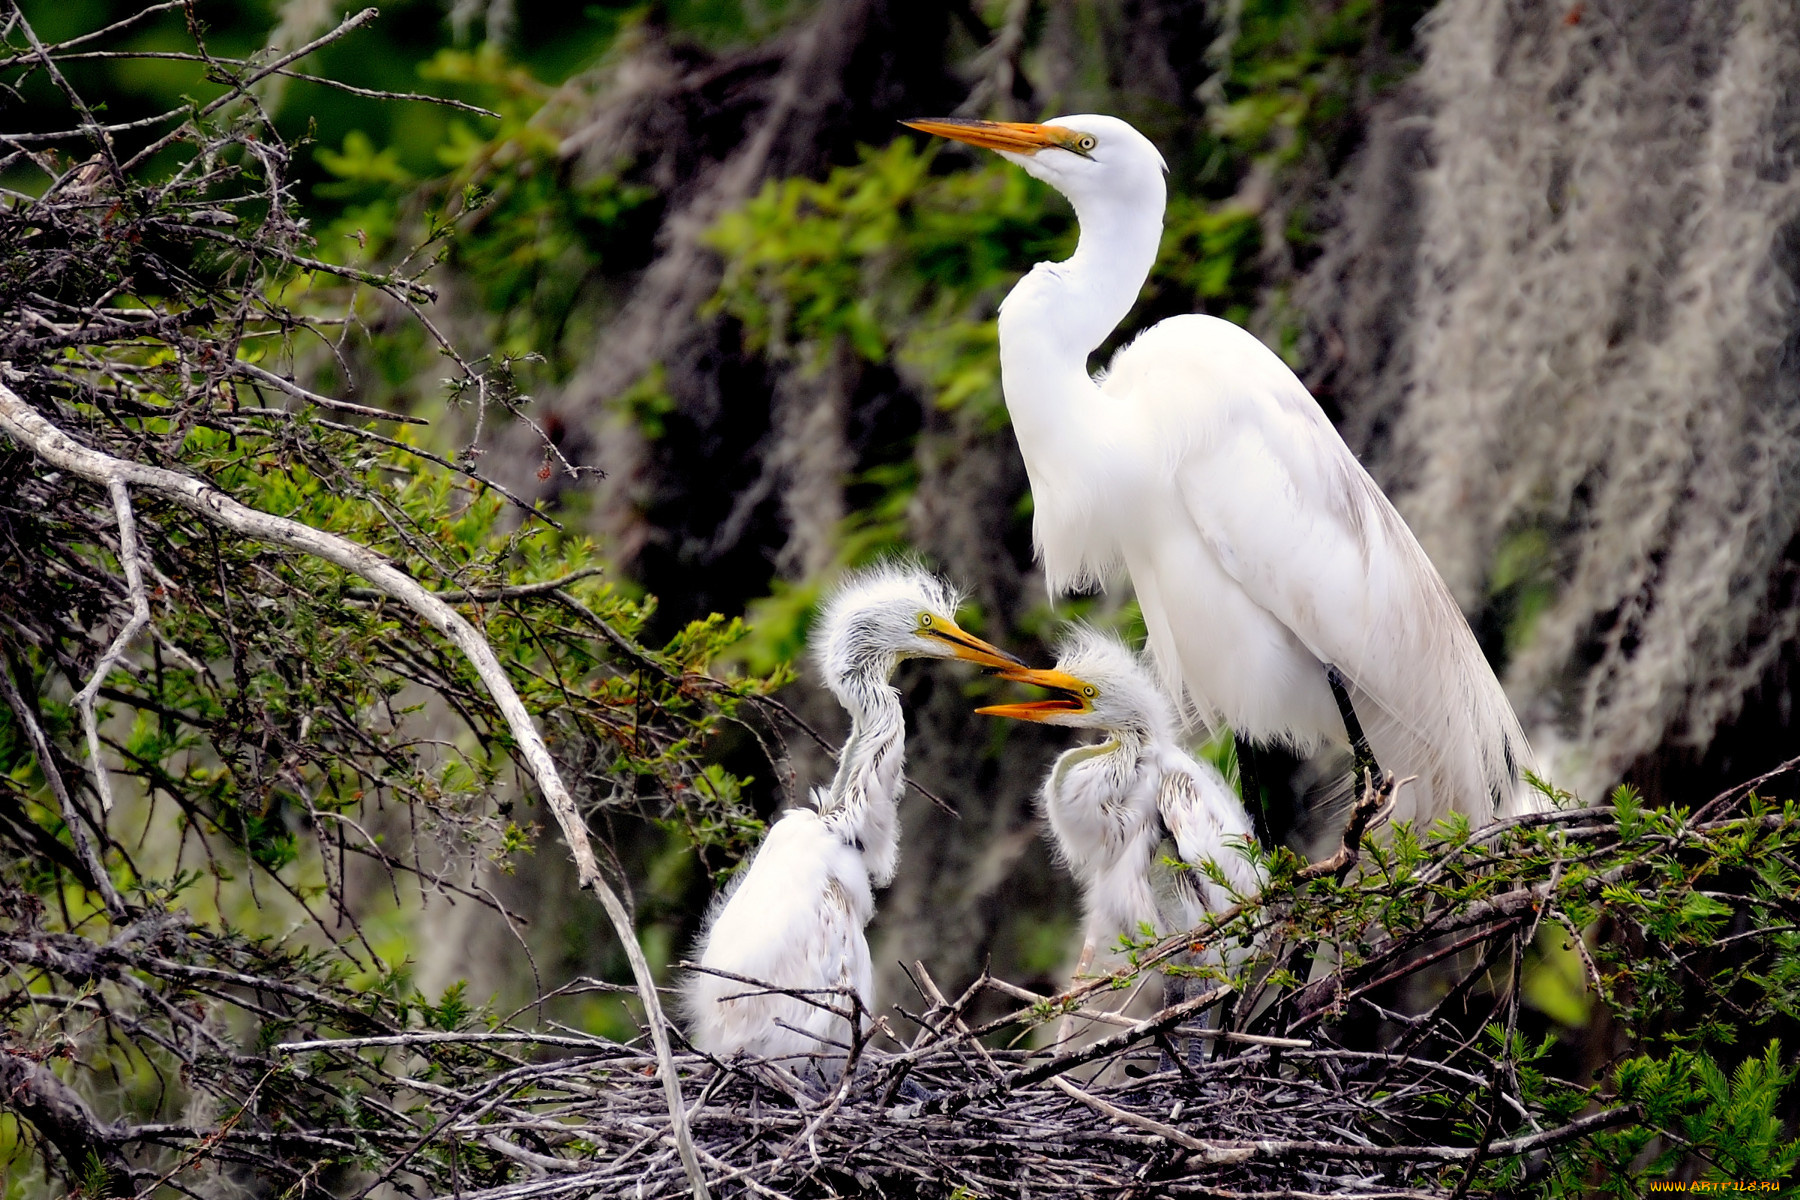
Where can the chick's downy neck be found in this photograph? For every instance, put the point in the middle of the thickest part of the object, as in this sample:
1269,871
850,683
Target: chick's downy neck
863,803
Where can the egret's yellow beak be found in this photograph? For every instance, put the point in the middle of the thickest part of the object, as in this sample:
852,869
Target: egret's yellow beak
1014,136
967,646
1072,696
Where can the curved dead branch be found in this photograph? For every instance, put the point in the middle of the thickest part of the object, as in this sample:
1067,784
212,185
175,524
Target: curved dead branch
22,423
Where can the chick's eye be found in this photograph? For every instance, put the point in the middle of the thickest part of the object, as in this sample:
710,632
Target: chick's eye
1086,141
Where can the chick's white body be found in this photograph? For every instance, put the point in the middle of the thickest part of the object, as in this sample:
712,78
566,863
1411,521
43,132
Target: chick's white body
1101,809
1259,548
1208,824
795,917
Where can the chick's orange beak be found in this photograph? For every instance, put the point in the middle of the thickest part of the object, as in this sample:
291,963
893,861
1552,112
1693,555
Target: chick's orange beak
1071,696
1015,136
967,646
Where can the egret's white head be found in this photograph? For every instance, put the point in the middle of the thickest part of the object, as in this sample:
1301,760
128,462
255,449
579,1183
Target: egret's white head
1086,157
1098,683
878,616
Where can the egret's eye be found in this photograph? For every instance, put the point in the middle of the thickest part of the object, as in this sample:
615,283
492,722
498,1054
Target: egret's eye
924,620
1088,691
1085,142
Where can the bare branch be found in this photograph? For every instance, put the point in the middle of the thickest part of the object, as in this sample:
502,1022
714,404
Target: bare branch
29,429
1167,1019
59,1114
72,816
519,591
140,617
252,371
239,86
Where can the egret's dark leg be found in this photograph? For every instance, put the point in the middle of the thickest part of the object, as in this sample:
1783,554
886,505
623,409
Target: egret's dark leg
1367,769
1212,1018
1174,992
1256,800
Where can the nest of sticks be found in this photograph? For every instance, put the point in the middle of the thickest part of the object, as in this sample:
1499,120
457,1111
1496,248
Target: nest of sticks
1129,1114
1373,1042
1345,1058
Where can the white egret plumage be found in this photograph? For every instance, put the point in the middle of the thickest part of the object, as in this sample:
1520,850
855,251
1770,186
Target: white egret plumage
1260,550
794,916
1111,804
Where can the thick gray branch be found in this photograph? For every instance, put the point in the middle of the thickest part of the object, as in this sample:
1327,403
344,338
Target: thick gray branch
57,1112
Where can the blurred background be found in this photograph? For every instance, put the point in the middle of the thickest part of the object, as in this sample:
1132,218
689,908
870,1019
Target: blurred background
1535,259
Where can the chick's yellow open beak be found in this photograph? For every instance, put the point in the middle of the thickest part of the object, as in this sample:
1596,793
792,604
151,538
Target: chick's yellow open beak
967,646
1015,136
1070,696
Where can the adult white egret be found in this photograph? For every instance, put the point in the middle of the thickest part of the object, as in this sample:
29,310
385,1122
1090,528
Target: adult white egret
1261,551
794,917
1110,804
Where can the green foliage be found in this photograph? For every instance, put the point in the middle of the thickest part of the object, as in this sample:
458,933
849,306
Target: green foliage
531,232
1044,945
545,236
895,261
451,1012
1522,583
307,664
648,402
1701,962
1555,983
1298,67
778,624
359,165
1693,1112
1208,252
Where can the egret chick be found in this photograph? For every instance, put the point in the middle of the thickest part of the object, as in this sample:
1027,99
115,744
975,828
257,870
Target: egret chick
794,917
1278,584
1111,803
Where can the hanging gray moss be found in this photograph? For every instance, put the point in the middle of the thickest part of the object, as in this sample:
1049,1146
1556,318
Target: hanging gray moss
1558,307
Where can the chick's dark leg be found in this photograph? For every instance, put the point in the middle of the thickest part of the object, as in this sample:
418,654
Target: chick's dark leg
1367,769
1212,1018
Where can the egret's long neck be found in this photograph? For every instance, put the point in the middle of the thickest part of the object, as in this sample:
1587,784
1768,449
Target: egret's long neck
863,805
1060,313
1050,324
1130,740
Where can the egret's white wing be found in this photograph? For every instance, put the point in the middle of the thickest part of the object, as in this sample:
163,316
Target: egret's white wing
839,958
1275,501
1207,824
